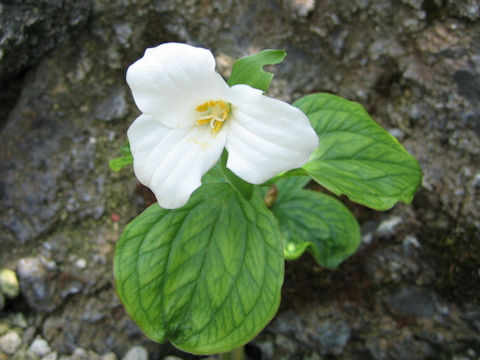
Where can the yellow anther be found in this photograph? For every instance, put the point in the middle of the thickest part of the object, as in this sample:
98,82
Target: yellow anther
203,107
204,121
217,127
213,112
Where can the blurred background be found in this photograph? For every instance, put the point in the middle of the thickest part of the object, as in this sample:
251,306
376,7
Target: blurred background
412,291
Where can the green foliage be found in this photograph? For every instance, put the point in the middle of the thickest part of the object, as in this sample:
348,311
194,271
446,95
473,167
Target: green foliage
356,156
206,276
315,222
126,159
214,175
249,70
243,187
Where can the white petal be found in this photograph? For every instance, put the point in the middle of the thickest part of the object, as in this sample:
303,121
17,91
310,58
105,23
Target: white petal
171,162
172,79
266,136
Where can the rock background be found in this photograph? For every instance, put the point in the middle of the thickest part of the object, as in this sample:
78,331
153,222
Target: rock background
411,292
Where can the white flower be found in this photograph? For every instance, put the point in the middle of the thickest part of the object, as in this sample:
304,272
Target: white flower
190,114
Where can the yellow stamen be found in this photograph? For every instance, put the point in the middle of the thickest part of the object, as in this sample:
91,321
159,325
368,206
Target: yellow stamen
217,127
204,121
203,107
215,113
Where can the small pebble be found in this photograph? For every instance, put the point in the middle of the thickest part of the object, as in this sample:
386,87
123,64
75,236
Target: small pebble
40,347
10,342
50,356
397,133
9,283
387,226
136,353
109,356
4,326
81,264
18,319
28,335
80,354
410,241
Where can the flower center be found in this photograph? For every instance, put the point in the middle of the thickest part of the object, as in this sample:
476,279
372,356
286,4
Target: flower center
213,112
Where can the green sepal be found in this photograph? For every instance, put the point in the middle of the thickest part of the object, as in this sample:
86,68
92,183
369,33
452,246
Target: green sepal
240,185
249,69
126,159
206,276
356,156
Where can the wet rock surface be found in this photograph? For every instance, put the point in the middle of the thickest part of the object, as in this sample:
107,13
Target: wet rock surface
411,292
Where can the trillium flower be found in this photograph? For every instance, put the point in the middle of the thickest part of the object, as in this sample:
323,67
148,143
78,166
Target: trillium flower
190,114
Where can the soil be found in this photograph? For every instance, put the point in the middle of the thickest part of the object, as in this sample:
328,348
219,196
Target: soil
410,292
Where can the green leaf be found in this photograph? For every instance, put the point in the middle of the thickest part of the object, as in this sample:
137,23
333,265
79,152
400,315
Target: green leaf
356,156
292,184
287,174
243,187
249,70
315,222
214,175
118,163
206,276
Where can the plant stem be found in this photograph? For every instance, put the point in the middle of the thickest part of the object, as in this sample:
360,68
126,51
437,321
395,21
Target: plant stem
235,354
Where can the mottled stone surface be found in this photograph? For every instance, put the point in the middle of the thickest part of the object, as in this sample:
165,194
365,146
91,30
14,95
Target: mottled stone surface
31,28
411,291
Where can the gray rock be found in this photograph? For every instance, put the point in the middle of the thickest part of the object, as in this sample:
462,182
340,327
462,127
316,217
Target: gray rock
332,336
36,286
413,301
324,331
50,356
80,354
414,65
28,335
39,347
136,353
469,9
10,342
4,326
18,319
32,28
312,356
9,283
113,107
387,226
109,356
286,344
